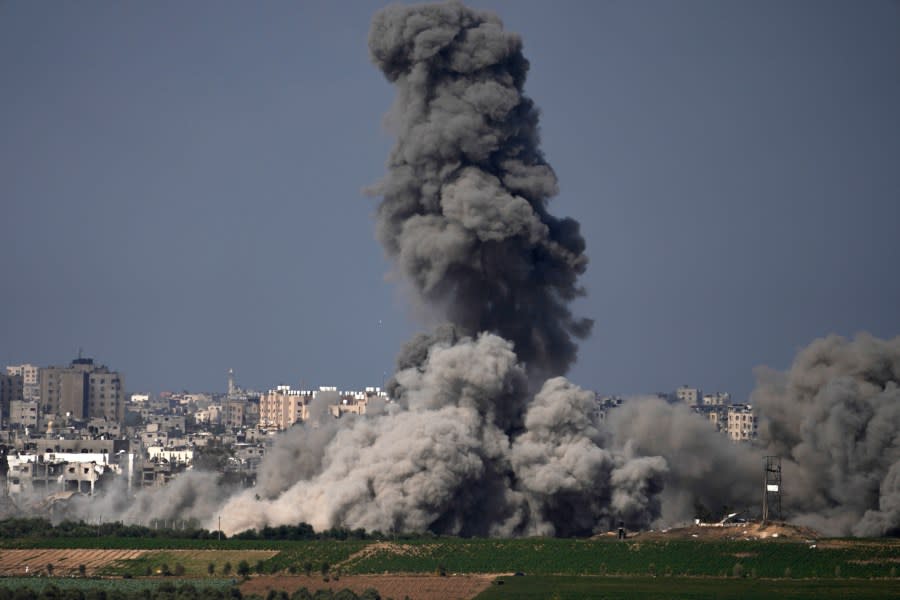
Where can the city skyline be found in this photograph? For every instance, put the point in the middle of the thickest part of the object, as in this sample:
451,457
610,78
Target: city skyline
182,187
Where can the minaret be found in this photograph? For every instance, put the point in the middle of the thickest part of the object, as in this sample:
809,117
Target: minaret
231,389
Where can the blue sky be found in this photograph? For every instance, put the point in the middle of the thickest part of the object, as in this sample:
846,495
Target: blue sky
181,185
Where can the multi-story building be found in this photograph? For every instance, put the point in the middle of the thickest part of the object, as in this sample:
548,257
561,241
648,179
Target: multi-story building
688,395
31,387
82,390
742,422
10,391
282,407
24,414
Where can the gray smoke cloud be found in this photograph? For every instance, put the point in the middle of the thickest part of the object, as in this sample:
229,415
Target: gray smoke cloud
464,208
703,465
835,418
484,437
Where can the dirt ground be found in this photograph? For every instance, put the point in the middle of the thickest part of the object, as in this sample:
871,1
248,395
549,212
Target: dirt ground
417,587
737,531
65,562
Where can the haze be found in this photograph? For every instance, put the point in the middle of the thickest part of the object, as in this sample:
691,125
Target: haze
180,186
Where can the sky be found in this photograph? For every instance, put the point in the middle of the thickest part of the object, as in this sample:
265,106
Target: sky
181,186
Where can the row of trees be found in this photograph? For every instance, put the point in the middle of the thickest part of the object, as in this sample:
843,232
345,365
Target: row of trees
163,591
169,591
42,528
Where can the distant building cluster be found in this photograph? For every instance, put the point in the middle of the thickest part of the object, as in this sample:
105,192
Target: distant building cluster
737,421
72,429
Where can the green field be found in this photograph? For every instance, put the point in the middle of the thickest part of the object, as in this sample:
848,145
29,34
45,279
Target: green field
552,567
682,588
548,556
298,555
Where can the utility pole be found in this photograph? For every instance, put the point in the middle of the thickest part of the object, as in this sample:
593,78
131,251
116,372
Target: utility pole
220,527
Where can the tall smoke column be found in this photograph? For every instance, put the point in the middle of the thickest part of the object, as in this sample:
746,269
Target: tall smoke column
464,209
464,214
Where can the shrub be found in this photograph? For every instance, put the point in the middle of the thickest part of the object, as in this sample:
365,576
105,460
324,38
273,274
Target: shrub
243,568
211,568
307,568
325,568
179,569
50,569
260,568
737,570
226,568
82,570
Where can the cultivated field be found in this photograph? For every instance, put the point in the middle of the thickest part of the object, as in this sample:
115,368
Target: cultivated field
674,564
64,562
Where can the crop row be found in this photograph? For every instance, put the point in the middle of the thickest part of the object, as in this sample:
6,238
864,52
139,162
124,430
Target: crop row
588,557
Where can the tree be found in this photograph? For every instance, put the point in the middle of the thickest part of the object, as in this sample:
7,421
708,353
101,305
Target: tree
260,568
50,569
82,570
211,568
243,568
226,568
307,568
179,569
325,568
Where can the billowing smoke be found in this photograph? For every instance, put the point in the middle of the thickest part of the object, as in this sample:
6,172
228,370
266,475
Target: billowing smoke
464,215
484,437
835,418
703,466
464,209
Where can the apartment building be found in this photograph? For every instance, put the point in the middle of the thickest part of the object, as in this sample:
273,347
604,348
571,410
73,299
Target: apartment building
742,423
689,395
10,391
282,407
30,379
82,390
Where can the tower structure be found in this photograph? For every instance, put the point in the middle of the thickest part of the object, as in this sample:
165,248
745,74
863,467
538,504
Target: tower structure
772,489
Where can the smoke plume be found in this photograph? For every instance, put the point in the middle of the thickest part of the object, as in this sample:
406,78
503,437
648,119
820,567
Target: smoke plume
835,418
464,215
464,209
484,436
